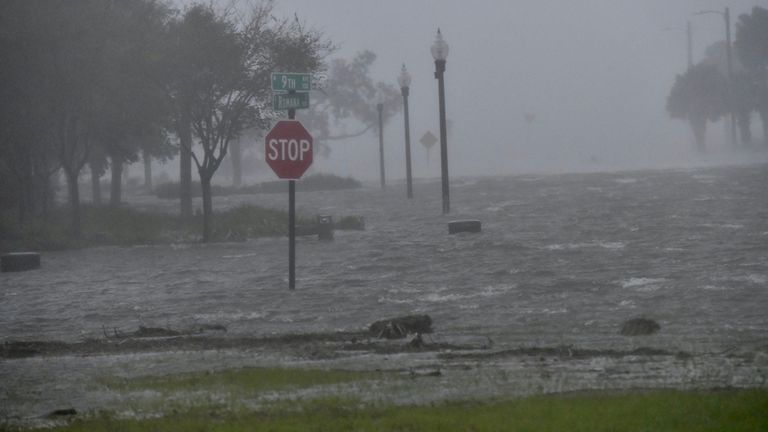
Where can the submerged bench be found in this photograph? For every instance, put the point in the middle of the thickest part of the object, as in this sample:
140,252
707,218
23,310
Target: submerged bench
472,226
19,261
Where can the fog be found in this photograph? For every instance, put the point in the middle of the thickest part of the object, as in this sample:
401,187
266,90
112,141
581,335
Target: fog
595,74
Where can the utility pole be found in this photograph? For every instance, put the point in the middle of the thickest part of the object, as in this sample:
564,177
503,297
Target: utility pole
731,83
729,60
690,43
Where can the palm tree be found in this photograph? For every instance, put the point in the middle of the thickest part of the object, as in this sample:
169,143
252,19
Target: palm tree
699,95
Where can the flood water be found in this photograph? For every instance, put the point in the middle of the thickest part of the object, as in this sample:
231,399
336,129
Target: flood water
562,260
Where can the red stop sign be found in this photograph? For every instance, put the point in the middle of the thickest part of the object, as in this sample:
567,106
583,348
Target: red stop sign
288,149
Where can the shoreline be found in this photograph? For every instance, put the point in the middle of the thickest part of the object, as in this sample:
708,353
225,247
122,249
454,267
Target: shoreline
42,377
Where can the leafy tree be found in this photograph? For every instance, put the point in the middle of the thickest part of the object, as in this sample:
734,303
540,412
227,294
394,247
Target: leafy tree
752,48
134,82
752,39
742,92
291,47
73,63
227,83
699,95
184,50
155,145
97,165
78,81
27,159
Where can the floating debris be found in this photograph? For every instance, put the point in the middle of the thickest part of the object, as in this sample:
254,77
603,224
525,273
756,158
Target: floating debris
65,412
639,327
400,327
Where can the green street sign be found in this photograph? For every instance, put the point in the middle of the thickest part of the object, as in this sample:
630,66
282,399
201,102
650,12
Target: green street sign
284,101
282,81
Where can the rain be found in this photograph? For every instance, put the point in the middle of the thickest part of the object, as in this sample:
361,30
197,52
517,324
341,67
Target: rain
460,202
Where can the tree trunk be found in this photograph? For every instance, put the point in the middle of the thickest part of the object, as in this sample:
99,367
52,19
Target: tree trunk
74,201
95,184
115,188
743,121
22,204
699,128
147,158
237,168
185,168
205,184
23,169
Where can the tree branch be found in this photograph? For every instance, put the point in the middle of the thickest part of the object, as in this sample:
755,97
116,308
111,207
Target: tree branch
349,135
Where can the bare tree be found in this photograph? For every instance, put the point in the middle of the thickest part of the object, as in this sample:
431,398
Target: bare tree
345,106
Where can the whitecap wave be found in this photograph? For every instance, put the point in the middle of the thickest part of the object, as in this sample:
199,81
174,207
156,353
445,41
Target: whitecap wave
722,225
222,316
753,278
643,284
626,180
248,255
596,244
394,300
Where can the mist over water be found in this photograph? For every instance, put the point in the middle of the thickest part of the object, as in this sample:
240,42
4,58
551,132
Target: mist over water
594,76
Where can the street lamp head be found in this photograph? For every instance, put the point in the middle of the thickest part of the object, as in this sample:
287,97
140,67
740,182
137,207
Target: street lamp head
405,78
704,12
440,47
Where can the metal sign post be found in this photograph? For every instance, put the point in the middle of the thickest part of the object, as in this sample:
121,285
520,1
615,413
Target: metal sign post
288,147
291,223
428,140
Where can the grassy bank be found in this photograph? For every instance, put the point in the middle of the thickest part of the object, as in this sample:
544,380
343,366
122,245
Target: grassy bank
124,226
310,183
661,410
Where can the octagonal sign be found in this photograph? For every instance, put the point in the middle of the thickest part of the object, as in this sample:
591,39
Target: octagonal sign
288,149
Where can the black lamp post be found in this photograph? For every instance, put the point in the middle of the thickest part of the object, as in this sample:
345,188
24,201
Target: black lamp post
405,81
440,53
380,109
729,60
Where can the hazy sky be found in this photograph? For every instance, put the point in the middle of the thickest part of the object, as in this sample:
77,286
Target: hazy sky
595,72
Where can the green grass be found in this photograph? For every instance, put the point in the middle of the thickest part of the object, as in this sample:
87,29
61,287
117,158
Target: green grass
247,221
728,410
310,183
124,226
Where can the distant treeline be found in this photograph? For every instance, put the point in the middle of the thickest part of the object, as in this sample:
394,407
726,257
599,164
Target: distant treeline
124,226
729,82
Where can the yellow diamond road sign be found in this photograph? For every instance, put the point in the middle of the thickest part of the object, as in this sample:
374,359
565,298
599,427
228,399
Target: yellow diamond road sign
428,140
